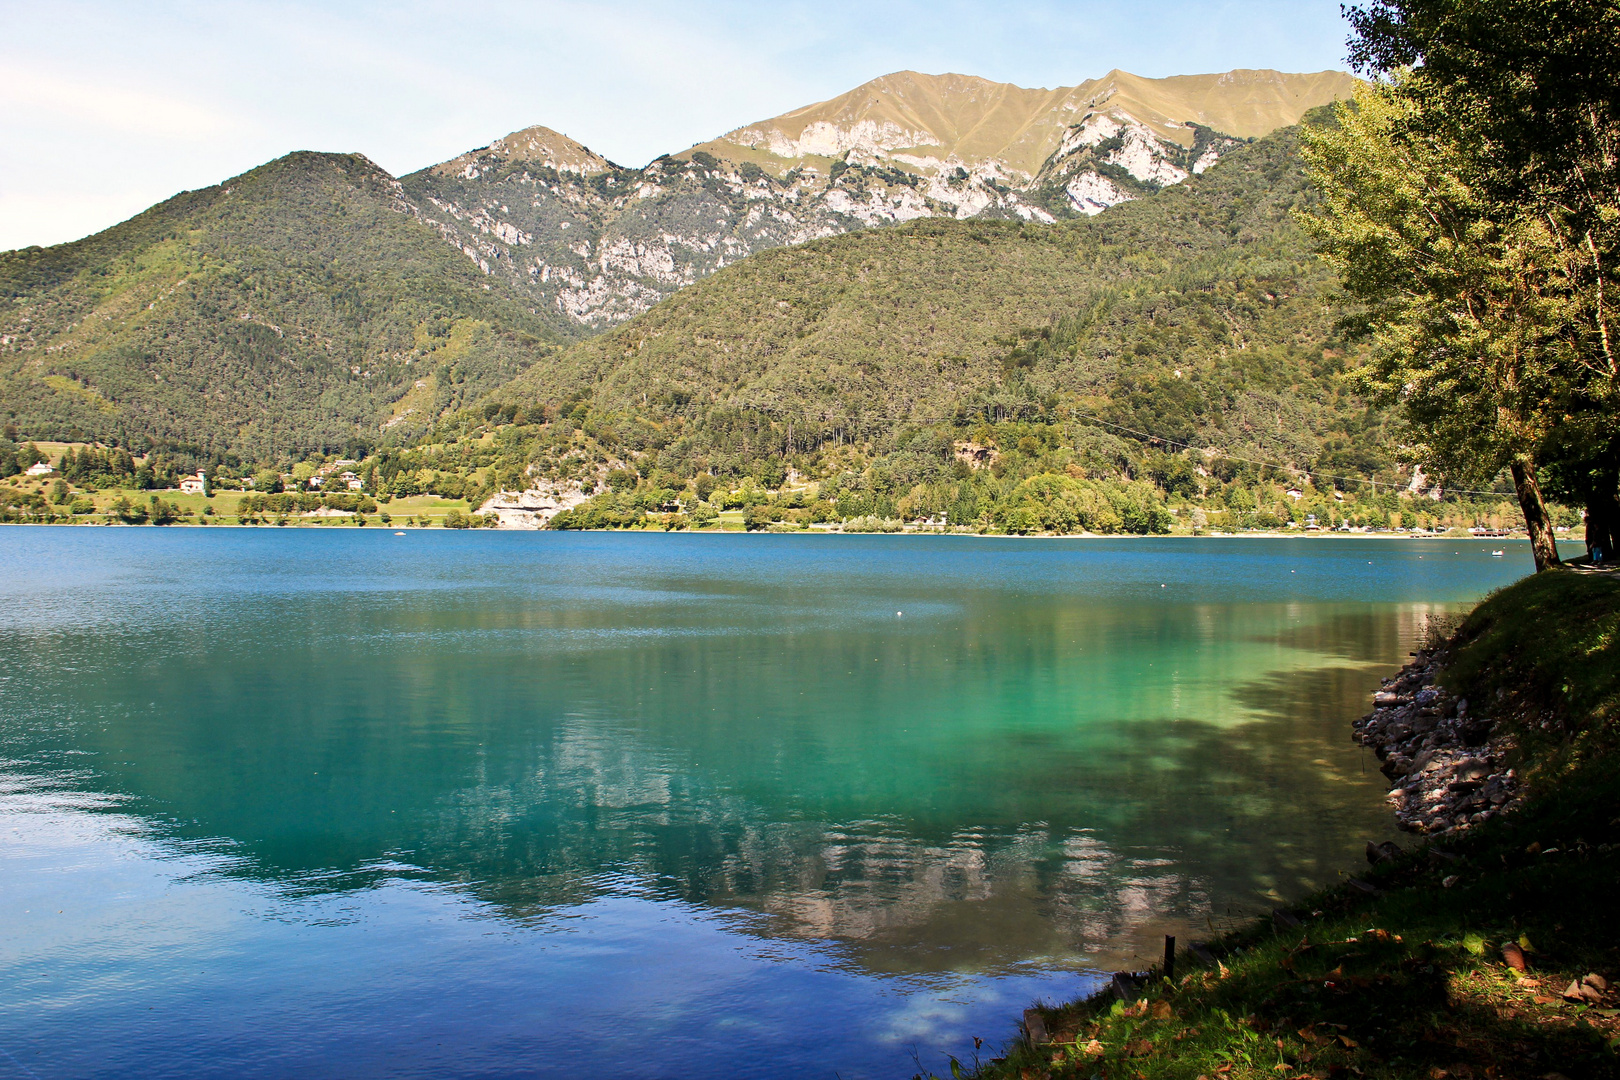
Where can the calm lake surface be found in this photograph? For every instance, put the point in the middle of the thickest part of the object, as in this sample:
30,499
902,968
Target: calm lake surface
341,803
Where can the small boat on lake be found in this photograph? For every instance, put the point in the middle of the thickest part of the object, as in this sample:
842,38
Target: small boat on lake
1498,553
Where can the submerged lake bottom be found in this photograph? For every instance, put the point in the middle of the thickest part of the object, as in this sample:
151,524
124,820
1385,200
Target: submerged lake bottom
350,804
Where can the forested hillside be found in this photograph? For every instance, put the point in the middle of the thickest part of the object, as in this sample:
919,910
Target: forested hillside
1094,375
302,305
1172,360
1198,315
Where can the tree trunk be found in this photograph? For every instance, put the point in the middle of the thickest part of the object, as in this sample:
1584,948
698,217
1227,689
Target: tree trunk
1603,524
1542,544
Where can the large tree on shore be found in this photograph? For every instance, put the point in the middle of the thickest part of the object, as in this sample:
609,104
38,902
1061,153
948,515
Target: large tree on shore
1471,201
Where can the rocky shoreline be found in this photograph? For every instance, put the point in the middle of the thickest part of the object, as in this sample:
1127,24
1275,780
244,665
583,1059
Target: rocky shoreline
1446,766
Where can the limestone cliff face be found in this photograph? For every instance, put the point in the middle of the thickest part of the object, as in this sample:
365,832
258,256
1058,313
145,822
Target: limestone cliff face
599,243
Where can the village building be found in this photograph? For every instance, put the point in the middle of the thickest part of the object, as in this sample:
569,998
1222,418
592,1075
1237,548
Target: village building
194,485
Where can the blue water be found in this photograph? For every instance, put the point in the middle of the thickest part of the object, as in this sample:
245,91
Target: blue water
344,803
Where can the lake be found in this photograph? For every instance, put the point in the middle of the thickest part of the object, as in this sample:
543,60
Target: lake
344,803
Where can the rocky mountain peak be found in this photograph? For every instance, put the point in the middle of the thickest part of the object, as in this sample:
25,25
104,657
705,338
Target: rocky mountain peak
599,243
536,145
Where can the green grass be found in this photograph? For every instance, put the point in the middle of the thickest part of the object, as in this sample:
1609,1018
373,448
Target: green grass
1543,654
1412,982
427,508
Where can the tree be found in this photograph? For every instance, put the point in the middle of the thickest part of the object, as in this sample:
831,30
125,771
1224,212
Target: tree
1472,203
1455,300
130,513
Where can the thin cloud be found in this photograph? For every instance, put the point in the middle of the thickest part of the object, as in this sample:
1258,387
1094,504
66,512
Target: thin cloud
48,98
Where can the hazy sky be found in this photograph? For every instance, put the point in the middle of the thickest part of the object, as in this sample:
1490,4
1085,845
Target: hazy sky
107,106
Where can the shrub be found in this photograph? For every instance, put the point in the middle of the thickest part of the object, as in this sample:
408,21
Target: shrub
874,525
760,517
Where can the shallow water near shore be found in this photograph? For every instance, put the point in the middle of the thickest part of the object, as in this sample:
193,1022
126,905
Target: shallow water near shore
349,804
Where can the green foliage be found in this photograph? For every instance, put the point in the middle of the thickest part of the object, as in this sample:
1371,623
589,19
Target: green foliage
1467,333
1197,314
609,510
1545,655
258,507
301,305
129,512
163,512
18,507
871,364
1472,202
1062,504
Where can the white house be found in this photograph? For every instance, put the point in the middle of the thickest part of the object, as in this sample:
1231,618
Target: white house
194,485
354,482
40,468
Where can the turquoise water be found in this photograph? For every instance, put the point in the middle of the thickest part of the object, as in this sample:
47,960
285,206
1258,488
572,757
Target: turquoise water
346,803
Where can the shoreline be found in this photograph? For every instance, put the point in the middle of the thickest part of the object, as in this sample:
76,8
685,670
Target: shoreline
1447,763
1489,957
393,527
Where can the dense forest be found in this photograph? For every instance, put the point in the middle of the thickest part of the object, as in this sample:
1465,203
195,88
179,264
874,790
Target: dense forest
1177,357
301,306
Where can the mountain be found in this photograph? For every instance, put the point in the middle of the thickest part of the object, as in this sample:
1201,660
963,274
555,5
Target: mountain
998,132
600,243
890,357
317,301
299,306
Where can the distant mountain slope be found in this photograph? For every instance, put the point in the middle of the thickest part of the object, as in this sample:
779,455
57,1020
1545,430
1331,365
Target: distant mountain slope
299,305
1198,314
317,301
962,119
600,243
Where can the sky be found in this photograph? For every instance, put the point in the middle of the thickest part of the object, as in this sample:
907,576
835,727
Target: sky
109,106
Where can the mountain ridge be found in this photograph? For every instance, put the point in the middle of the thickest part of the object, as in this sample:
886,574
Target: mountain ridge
607,242
299,320
1164,105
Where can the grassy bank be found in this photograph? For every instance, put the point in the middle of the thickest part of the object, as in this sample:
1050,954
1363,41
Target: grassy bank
1406,974
100,507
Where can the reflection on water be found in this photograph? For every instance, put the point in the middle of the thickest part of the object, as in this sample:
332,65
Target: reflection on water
910,782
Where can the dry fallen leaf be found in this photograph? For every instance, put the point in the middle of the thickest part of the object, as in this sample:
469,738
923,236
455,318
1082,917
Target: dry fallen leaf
1514,956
